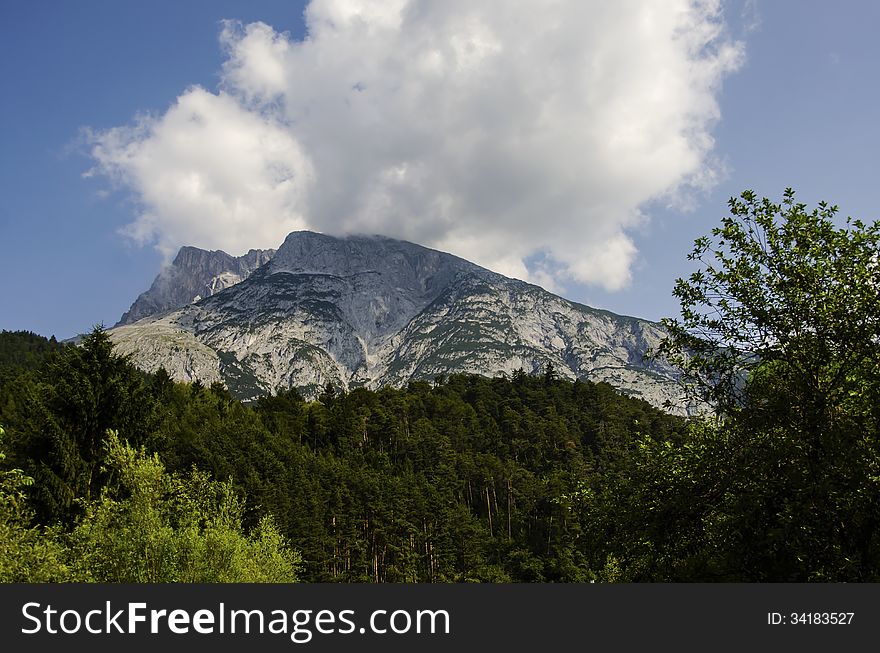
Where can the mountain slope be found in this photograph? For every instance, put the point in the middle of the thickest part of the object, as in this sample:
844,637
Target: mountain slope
373,311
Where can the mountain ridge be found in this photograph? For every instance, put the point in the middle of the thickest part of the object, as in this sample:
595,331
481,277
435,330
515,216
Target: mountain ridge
373,311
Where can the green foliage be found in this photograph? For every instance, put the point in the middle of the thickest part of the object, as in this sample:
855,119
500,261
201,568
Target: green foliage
657,510
780,327
23,350
455,481
460,480
27,554
783,287
58,419
149,526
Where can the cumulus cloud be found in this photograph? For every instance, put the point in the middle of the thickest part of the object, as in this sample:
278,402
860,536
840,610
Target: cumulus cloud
498,132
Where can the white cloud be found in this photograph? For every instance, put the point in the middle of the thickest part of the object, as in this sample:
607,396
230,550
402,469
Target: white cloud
491,130
210,173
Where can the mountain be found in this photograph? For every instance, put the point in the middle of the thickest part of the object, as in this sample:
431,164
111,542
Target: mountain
194,274
373,311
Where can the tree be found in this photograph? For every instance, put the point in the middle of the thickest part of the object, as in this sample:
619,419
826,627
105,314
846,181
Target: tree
780,329
27,554
150,526
80,394
783,291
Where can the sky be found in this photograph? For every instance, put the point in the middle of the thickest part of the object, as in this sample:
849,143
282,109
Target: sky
575,144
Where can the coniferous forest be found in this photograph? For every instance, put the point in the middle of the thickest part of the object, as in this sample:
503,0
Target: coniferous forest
110,474
465,479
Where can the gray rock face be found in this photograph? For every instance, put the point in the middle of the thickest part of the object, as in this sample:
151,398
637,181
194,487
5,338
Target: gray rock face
373,311
195,273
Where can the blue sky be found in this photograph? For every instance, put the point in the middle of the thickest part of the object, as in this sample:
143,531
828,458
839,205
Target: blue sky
798,108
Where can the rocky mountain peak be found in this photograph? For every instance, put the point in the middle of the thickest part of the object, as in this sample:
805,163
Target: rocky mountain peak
373,311
401,264
194,274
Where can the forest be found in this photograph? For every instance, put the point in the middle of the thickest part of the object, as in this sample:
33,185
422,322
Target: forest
110,474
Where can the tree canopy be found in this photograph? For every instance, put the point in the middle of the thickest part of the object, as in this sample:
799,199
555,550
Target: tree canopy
784,292
780,330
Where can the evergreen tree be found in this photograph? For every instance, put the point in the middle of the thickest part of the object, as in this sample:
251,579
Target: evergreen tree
28,554
63,414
